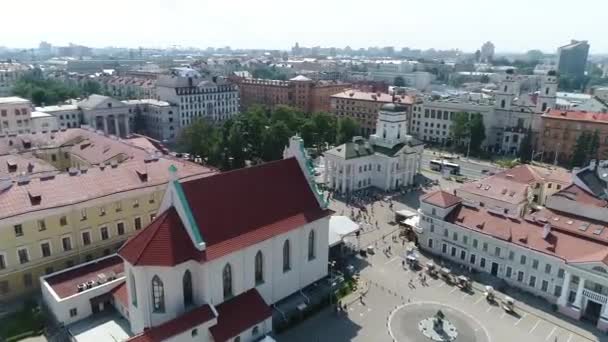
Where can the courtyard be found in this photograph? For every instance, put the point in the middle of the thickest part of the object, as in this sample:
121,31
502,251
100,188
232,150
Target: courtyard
392,299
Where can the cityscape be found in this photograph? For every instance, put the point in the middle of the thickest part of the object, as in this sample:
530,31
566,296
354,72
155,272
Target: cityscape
172,191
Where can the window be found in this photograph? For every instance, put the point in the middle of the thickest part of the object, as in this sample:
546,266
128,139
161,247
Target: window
41,225
2,261
472,259
66,242
18,230
560,273
118,206
152,217
23,255
522,259
474,243
133,287
547,268
453,252
120,228
286,256
557,291
497,251
151,199
63,221
135,203
45,248
508,272
544,285
187,288
465,239
73,312
432,228
259,268
520,276
571,297
535,264
137,223
446,232
194,332
484,247
482,263
511,255
532,281
27,280
102,211
444,248
83,214
104,233
86,238
455,236
311,245
463,255
227,281
158,295
255,331
434,211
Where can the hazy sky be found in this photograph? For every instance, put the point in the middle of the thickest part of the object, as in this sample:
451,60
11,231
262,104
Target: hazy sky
512,25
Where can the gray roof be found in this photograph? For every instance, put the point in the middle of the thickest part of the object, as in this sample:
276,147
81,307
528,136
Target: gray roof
391,107
300,78
351,150
96,101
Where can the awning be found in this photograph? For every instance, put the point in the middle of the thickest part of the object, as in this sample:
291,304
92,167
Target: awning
412,221
339,227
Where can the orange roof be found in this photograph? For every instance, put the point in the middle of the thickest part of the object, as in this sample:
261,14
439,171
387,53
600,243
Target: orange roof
577,115
440,199
497,187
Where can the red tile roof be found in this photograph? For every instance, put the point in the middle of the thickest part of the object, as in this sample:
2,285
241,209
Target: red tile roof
496,187
578,194
576,115
239,314
441,199
164,242
234,203
65,283
528,174
233,210
563,243
176,326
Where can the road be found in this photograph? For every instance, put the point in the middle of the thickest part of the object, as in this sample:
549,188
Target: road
468,168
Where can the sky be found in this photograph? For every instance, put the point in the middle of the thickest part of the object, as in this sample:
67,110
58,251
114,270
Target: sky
512,25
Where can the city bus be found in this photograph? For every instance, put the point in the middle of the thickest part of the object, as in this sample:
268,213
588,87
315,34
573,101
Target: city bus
440,165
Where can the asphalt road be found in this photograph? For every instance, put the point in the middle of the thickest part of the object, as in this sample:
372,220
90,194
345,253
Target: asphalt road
468,168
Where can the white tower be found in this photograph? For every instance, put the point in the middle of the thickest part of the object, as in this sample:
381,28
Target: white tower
507,91
547,93
391,127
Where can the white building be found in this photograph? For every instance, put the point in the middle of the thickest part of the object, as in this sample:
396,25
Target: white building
160,119
43,122
559,252
213,99
388,160
210,265
15,115
106,114
68,115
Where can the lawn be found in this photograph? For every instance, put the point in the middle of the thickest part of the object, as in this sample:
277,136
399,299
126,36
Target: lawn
22,324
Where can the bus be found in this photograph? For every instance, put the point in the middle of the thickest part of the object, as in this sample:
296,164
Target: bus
441,165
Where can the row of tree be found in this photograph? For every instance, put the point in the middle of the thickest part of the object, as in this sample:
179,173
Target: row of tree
259,135
586,148
468,132
46,92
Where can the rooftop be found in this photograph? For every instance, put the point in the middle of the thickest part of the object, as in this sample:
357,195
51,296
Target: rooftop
37,114
373,97
190,319
440,199
496,187
153,102
57,108
576,115
232,319
109,326
13,100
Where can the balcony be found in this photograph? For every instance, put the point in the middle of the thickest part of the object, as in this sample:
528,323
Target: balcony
595,296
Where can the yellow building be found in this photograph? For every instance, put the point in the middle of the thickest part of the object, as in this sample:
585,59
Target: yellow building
53,221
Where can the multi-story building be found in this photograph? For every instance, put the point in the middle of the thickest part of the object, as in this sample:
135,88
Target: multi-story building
43,122
389,160
299,92
10,73
572,58
160,118
558,252
199,98
54,220
363,107
128,87
196,272
68,115
106,114
15,115
561,128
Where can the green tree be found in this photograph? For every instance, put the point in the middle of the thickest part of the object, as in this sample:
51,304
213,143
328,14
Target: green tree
525,149
477,132
347,129
594,145
91,87
198,138
325,125
399,81
459,128
275,140
236,146
484,79
581,150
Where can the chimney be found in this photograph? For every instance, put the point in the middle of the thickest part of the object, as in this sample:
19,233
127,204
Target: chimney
546,230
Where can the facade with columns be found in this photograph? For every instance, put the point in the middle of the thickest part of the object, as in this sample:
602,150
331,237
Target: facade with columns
551,253
107,115
389,160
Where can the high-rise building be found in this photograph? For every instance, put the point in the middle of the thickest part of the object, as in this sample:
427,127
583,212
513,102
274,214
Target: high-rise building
572,58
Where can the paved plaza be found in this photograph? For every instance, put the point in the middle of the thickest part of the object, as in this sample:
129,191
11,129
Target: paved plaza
392,306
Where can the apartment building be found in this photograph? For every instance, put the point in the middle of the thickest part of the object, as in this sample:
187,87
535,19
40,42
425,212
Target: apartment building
299,92
15,115
561,128
160,119
68,115
199,98
53,219
363,107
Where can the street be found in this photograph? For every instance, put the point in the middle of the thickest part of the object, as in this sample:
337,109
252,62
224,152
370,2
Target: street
468,167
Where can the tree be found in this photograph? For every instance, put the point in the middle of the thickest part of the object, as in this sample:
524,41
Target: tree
399,81
484,79
236,146
347,129
275,140
594,145
198,138
477,132
459,128
525,149
581,150
91,87
325,126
